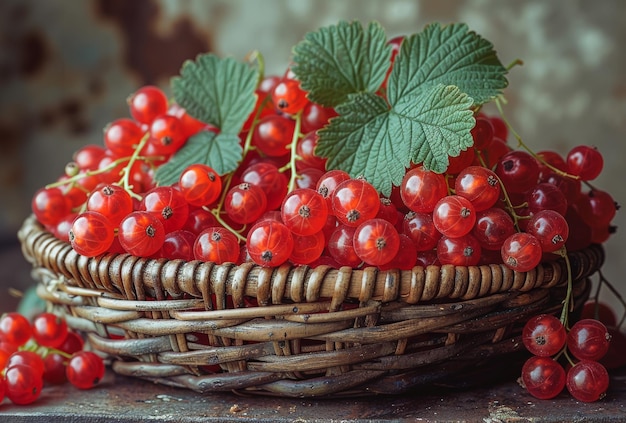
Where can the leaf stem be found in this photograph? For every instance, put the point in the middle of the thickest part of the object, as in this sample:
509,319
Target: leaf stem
516,62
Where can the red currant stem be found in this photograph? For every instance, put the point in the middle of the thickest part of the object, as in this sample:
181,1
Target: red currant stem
510,206
507,199
569,359
615,292
105,169
125,181
222,222
217,210
521,144
294,156
568,304
33,346
560,353
450,189
256,56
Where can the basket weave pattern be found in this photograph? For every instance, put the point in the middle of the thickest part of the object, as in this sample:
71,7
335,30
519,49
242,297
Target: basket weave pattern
295,331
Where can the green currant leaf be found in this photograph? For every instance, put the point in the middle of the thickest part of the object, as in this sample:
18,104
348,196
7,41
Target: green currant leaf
440,121
372,140
217,91
449,55
341,59
220,151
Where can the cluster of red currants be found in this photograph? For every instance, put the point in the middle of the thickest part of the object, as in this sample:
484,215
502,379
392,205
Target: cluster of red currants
42,352
588,341
495,204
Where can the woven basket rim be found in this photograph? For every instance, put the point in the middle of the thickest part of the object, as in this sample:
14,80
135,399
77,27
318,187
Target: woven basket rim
112,272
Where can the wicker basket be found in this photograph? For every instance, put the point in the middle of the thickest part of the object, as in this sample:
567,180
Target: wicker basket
296,331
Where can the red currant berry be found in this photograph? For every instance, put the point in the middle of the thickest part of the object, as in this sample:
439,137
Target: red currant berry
167,135
54,369
389,212
328,182
521,251
168,205
112,201
421,189
304,211
147,103
482,132
122,136
518,171
405,258
315,117
546,196
88,157
355,201
458,163
308,178
269,243
499,127
245,203
602,207
92,234
199,220
585,162
496,150
615,357
376,241
493,226
305,149
49,330
50,206
459,251
288,97
307,248
544,335
479,185
178,245
427,258
23,384
217,245
587,381
421,230
454,216
200,184
550,228
273,134
341,246
588,339
85,369
141,233
543,377
15,329
72,343
267,177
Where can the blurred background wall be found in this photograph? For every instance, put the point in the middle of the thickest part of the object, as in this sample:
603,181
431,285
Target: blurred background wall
66,68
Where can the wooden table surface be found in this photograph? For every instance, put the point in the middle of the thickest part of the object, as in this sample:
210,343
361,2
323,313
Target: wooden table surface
123,399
